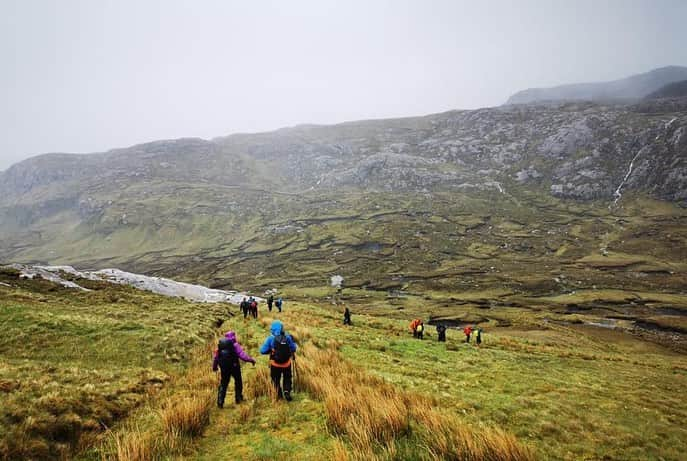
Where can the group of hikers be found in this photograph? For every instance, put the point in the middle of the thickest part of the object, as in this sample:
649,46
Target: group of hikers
280,347
417,327
249,306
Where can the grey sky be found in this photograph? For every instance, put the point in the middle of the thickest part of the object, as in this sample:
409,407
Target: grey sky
89,75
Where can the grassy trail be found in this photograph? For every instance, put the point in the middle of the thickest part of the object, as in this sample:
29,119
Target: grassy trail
571,393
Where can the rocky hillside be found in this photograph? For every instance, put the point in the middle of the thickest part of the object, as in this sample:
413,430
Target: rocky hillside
630,88
384,201
571,150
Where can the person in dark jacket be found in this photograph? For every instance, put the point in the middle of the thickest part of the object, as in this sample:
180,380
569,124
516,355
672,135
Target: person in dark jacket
244,307
270,301
347,316
420,330
279,304
226,358
441,332
281,348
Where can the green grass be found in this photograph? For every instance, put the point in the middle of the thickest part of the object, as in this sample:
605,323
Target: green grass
72,363
568,391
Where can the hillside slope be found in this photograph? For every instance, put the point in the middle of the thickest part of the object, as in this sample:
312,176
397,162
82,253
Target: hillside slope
672,90
630,88
447,201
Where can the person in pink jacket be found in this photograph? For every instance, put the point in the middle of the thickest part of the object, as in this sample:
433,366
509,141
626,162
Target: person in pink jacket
226,357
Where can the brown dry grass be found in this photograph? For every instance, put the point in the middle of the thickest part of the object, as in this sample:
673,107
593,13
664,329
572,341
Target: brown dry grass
186,416
131,445
373,416
178,416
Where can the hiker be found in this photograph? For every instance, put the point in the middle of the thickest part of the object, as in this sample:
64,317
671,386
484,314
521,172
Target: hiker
279,303
347,316
270,300
281,348
478,336
244,307
226,357
413,326
441,332
467,331
254,308
419,329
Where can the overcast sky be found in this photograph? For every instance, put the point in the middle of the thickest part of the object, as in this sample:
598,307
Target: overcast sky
90,75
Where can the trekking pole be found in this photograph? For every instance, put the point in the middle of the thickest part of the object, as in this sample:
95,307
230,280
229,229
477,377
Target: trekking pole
295,375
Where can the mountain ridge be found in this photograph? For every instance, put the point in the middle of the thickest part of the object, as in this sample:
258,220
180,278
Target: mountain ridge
624,89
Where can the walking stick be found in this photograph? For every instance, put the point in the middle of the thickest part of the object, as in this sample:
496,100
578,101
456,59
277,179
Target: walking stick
295,374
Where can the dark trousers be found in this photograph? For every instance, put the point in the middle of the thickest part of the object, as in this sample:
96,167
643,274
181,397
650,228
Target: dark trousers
277,373
269,306
227,374
442,336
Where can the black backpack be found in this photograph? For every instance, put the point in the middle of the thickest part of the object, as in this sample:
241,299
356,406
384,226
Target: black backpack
281,351
226,353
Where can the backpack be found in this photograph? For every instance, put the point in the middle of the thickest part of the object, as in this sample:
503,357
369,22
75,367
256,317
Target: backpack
226,353
281,351
253,305
419,328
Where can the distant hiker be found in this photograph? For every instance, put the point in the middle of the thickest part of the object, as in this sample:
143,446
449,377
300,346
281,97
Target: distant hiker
478,336
270,300
244,307
413,326
226,357
279,303
419,329
281,347
254,308
441,332
347,316
467,331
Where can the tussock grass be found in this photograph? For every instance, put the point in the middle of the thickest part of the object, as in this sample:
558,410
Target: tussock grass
167,425
132,445
374,416
186,416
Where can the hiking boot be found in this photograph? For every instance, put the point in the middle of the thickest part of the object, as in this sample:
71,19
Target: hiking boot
287,396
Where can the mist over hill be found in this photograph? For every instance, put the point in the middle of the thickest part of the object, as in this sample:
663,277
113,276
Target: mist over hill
671,90
630,88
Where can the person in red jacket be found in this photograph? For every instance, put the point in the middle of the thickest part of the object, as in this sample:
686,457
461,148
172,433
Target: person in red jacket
467,331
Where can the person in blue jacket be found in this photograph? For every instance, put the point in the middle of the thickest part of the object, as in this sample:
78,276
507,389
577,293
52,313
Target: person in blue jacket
281,348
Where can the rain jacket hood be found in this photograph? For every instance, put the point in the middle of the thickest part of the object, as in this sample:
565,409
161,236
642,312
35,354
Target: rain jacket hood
277,328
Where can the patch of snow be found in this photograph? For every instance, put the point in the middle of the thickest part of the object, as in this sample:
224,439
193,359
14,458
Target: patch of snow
49,273
159,285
